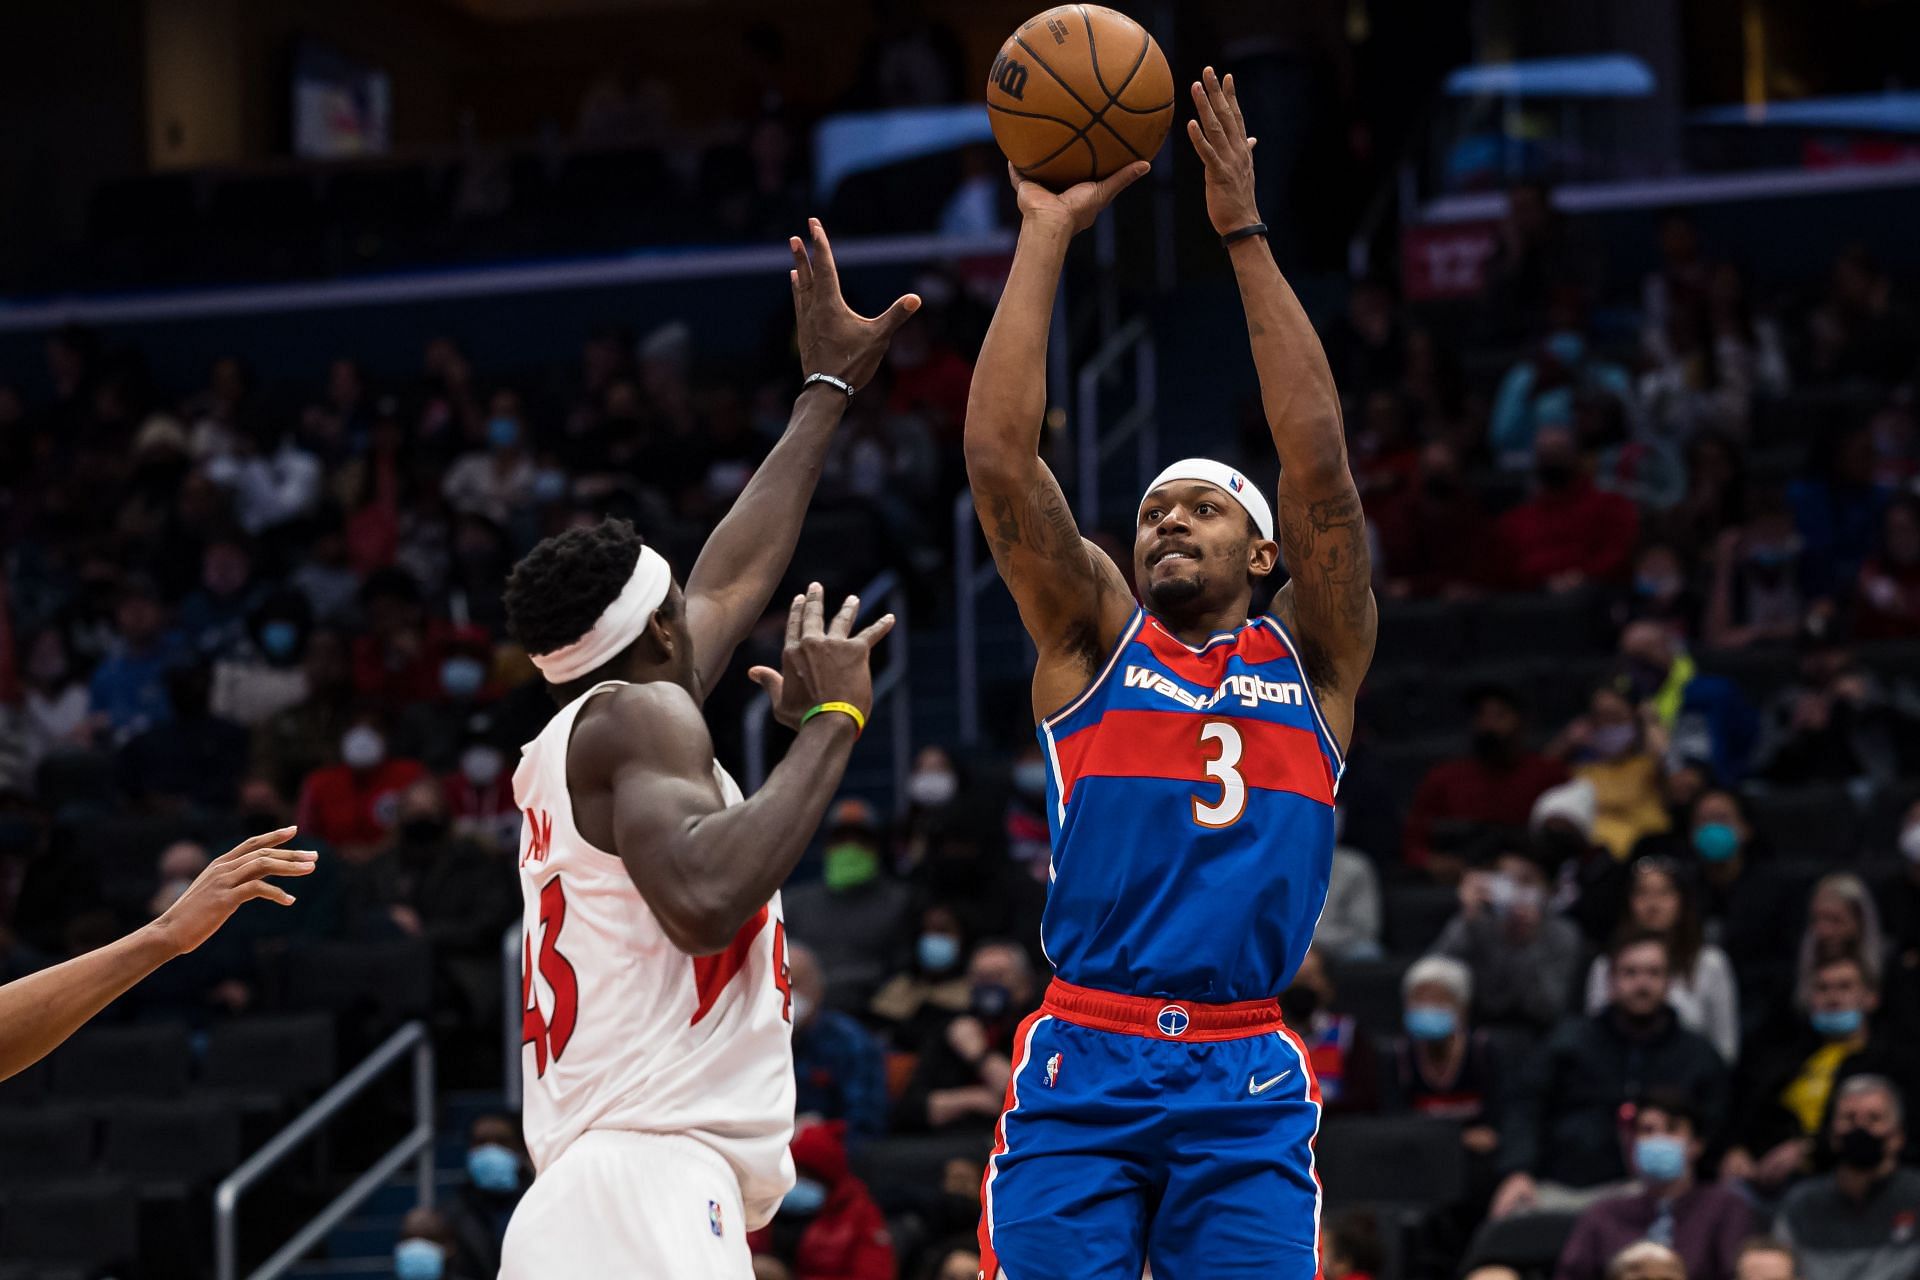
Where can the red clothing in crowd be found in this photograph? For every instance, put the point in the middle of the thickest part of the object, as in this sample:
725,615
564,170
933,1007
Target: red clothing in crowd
1468,789
1580,530
394,677
1434,545
346,806
848,1238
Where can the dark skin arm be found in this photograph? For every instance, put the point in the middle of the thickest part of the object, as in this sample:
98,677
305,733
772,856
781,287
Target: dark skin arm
641,771
747,554
42,1009
1328,604
1071,595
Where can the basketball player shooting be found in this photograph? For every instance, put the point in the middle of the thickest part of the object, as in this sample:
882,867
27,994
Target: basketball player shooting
1159,1110
656,1016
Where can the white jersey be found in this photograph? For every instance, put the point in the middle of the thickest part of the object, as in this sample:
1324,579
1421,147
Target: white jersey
624,1031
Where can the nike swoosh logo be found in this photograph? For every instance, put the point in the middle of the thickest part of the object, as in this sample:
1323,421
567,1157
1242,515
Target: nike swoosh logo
1257,1088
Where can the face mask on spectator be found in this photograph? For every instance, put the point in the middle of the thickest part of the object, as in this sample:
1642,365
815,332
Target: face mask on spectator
1661,1158
279,638
549,485
1715,841
1430,1021
1910,843
1611,741
806,1199
362,747
1772,558
931,788
503,432
480,764
1656,586
1835,1024
1030,778
1567,346
419,1260
492,1167
461,676
849,864
1858,1149
802,1009
990,1001
938,952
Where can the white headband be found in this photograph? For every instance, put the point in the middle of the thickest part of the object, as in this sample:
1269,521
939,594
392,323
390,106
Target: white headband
618,625
1228,481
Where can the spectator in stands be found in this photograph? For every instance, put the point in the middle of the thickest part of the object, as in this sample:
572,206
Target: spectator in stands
264,677
272,478
194,759
1903,925
1862,331
397,659
1339,1048
1705,717
293,743
1836,722
1616,746
1789,1081
932,989
1857,1222
967,869
855,916
428,1250
1705,1225
1716,496
933,787
1543,390
1701,988
1535,260
1561,1145
496,482
496,1178
1433,535
1350,1247
837,1067
438,731
128,689
1523,958
1742,897
1029,841
353,805
1842,921
962,1263
1591,885
1677,285
842,1233
1838,509
1754,596
1349,926
212,621
479,791
456,894
1569,535
1764,1259
1493,786
1646,1260
1442,1065
960,1077
1887,595
1367,344
216,979
56,709
1661,592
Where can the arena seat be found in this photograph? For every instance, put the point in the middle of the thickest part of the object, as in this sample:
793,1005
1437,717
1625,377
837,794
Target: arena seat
1527,627
91,1222
1886,812
175,1144
1819,823
1526,1242
26,1088
393,978
46,1142
1411,1160
123,1062
1424,634
912,1162
1370,991
1412,915
78,782
283,1055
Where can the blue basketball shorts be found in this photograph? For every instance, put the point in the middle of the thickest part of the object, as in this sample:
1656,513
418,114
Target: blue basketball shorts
1142,1130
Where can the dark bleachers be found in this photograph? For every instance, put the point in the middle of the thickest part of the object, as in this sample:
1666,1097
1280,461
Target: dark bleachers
394,979
1526,1242
90,1222
123,1062
1399,1159
43,1143
1521,628
899,1169
176,1144
1414,914
26,1088
1817,823
281,1055
1420,633
1370,990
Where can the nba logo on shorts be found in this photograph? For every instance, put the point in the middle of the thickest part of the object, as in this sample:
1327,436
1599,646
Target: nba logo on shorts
1053,1070
713,1217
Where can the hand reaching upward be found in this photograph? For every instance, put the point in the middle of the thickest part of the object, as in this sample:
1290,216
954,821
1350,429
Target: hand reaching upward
1219,135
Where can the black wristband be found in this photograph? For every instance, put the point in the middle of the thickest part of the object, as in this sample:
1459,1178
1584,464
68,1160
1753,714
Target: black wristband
1244,233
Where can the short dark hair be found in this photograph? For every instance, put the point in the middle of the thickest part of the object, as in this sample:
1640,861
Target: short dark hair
1482,692
1853,960
1671,1102
1631,938
561,587
1355,1237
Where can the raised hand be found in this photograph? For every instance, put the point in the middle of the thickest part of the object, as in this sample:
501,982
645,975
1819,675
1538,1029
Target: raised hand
834,338
1078,206
823,661
1219,135
236,876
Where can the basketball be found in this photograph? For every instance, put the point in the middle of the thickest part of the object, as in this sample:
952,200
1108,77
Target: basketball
1077,93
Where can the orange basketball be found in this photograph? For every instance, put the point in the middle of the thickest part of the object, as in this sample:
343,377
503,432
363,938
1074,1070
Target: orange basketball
1077,93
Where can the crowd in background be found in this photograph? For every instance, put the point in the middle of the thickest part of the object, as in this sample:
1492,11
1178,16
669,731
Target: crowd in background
261,604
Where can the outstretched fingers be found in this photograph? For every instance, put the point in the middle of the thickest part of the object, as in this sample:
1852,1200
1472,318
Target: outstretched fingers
877,631
265,840
1204,111
842,624
825,272
1114,183
796,613
896,315
813,620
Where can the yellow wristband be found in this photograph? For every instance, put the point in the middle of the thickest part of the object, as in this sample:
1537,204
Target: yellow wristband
847,709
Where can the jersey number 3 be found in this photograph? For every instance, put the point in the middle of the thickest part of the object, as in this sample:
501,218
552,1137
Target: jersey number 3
549,1034
1223,768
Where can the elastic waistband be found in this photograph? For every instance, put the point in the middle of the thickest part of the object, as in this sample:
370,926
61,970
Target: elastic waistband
1158,1019
651,1143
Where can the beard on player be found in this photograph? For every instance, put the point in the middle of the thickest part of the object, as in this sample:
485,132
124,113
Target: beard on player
1200,567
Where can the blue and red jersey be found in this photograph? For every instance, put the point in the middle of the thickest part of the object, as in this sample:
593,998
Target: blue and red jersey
1191,798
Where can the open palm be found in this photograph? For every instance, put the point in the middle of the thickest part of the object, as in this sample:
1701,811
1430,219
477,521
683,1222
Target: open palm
1079,205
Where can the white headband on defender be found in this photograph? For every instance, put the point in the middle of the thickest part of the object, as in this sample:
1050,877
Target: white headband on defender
618,625
1227,480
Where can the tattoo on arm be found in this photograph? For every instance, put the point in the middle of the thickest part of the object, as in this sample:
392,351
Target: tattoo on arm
1325,544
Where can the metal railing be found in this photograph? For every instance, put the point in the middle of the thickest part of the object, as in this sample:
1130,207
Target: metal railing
970,578
1098,442
889,687
417,1145
512,1006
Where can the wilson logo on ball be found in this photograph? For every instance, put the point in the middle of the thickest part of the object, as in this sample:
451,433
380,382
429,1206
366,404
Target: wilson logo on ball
1011,76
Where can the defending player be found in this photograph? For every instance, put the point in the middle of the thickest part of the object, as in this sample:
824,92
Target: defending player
658,1057
1159,1110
